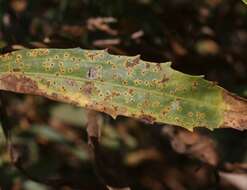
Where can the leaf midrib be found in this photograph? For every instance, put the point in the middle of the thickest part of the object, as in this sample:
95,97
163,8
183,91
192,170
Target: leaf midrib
126,86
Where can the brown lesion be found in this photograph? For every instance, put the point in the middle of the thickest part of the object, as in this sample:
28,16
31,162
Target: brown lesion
25,85
104,107
16,70
88,88
133,62
147,119
164,79
235,115
18,83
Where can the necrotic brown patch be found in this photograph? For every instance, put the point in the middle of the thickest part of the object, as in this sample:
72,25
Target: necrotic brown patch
88,88
147,119
132,63
19,83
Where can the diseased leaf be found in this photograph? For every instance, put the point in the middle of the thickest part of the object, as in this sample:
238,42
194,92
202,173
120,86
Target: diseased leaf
122,85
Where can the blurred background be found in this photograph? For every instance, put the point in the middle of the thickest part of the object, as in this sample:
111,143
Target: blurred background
206,37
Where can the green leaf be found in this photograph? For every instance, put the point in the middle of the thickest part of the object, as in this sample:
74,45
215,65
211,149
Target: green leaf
29,185
245,1
69,114
121,85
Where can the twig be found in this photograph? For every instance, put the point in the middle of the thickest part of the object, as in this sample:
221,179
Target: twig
93,128
94,132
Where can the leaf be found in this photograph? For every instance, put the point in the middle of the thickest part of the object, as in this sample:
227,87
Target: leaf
245,1
33,185
69,114
122,85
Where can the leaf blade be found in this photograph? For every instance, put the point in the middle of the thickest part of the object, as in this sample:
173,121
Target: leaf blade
117,85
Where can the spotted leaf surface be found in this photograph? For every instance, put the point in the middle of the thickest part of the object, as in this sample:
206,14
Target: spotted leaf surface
117,85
